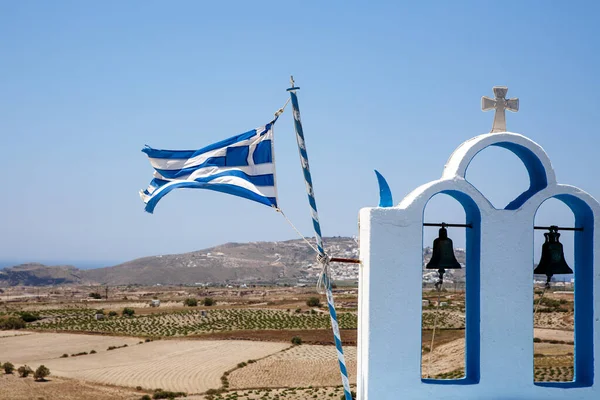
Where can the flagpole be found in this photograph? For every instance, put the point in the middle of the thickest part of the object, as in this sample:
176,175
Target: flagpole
323,258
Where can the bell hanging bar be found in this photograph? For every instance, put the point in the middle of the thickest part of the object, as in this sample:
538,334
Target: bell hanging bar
445,225
558,228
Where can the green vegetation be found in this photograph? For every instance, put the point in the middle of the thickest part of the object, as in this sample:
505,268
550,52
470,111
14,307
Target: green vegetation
164,394
296,340
190,302
456,374
548,305
278,394
128,312
188,322
29,317
95,295
313,302
115,347
209,301
24,371
41,373
8,367
11,323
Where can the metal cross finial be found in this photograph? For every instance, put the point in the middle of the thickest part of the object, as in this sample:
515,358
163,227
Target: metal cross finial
500,104
292,80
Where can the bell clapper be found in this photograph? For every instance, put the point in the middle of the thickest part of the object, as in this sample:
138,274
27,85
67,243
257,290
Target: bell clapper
440,282
548,279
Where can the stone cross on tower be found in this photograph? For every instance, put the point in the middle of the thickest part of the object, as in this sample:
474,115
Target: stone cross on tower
500,104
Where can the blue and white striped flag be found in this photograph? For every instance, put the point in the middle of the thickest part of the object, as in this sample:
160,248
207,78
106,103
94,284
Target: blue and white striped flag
242,165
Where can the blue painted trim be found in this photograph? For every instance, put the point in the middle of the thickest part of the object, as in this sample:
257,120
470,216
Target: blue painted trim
584,295
537,173
535,168
385,194
473,291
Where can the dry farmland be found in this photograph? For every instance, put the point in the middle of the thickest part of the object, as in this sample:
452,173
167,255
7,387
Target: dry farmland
239,348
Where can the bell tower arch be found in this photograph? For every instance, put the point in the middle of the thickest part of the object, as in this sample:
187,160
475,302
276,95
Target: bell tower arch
499,287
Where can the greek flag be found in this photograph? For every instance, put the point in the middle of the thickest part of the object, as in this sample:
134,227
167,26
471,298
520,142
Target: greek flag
242,165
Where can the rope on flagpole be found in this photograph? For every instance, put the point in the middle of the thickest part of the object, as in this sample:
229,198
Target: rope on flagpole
322,257
279,210
280,111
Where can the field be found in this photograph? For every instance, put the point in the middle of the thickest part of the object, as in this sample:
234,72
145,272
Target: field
239,348
14,388
189,366
299,366
189,322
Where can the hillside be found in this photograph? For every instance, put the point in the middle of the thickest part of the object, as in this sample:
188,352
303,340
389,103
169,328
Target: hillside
291,261
288,261
35,274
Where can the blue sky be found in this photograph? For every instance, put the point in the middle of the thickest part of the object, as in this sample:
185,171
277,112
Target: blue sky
394,86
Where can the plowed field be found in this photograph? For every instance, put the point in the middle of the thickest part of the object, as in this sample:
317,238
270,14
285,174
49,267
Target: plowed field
300,366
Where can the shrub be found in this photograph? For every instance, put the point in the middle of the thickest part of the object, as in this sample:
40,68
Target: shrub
29,317
165,394
95,295
296,340
65,355
12,323
41,373
190,302
209,301
537,340
24,371
313,302
146,397
93,352
8,367
128,312
112,314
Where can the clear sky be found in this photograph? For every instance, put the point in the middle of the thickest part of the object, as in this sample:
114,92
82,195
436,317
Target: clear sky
394,86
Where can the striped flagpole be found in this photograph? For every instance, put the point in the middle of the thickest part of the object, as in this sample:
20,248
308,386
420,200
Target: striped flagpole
317,226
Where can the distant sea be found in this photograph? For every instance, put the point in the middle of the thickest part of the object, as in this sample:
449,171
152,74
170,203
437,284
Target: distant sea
78,264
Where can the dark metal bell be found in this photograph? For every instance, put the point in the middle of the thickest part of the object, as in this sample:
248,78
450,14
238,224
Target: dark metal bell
443,253
552,261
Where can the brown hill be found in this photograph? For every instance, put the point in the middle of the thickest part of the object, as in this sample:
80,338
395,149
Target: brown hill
35,274
291,261
232,262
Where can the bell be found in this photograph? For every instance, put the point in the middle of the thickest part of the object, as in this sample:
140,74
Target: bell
443,254
552,261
